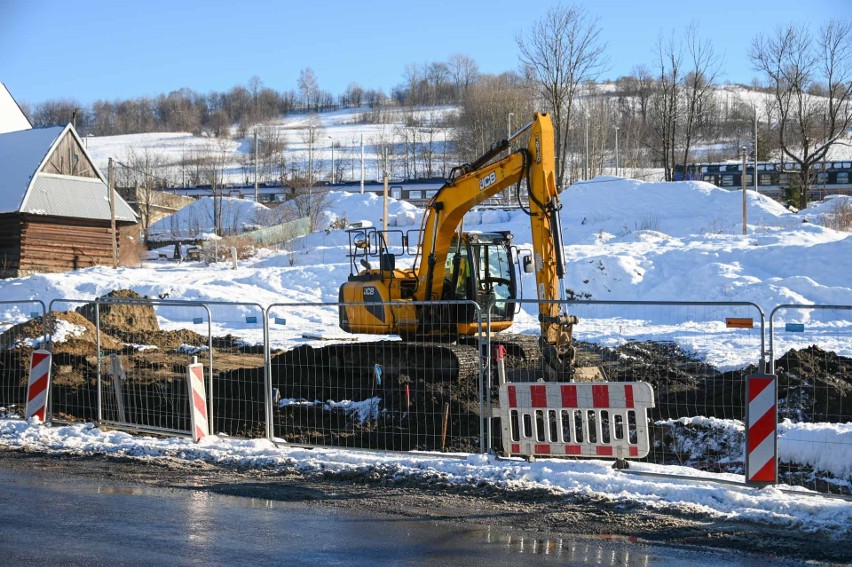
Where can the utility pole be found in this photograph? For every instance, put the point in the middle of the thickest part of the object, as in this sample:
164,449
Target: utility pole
745,220
385,208
362,164
256,199
111,175
616,151
332,159
588,170
755,149
509,130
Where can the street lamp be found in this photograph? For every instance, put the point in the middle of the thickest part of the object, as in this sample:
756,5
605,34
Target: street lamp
745,218
616,150
332,159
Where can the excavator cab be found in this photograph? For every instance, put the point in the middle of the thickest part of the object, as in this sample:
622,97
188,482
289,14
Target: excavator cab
480,269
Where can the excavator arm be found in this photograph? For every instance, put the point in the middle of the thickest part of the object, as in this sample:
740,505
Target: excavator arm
477,182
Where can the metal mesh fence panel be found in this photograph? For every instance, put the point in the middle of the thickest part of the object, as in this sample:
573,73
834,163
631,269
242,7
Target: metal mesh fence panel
811,354
238,389
145,348
694,355
73,339
22,330
375,391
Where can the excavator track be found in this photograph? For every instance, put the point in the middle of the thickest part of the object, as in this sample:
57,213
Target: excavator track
522,351
353,365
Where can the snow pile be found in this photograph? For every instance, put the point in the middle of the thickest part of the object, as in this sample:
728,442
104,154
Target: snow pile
196,219
362,411
826,447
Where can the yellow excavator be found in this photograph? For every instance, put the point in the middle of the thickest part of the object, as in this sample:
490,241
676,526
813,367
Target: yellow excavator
423,303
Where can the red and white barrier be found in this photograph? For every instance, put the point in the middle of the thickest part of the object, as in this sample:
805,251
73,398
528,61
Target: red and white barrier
590,419
197,401
39,385
762,429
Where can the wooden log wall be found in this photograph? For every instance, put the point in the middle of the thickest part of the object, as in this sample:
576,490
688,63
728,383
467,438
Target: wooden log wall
10,245
51,244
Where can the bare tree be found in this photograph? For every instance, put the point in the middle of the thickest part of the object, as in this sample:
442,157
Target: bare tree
559,53
485,111
141,173
214,161
309,88
811,92
665,102
698,88
306,180
463,71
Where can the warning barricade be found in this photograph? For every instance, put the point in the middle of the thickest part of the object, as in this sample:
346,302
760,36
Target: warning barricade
595,419
38,386
197,401
762,429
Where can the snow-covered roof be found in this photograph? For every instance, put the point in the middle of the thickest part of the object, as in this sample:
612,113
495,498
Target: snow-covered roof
12,118
25,188
21,154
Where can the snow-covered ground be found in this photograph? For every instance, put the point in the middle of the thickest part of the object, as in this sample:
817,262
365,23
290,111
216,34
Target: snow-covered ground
626,240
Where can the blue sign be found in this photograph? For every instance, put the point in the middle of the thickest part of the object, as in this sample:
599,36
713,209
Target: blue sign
794,327
251,319
280,321
198,320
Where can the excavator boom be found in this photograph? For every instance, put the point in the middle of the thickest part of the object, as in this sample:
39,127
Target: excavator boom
470,185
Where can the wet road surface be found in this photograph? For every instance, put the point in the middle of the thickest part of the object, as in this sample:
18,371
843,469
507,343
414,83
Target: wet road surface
56,519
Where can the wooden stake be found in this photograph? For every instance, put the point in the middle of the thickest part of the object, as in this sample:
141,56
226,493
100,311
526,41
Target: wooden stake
444,428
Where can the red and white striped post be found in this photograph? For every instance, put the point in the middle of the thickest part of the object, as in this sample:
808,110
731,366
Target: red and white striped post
197,401
39,385
761,429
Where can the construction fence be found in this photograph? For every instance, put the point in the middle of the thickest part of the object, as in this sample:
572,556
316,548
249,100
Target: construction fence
288,372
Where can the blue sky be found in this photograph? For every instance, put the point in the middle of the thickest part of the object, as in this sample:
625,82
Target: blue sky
114,49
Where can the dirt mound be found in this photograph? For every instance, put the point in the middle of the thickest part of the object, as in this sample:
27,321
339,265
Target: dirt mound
814,385
72,333
123,319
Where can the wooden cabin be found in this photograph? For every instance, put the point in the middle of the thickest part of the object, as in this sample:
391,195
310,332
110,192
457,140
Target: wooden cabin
54,204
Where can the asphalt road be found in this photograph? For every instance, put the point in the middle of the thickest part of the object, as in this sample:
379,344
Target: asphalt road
52,517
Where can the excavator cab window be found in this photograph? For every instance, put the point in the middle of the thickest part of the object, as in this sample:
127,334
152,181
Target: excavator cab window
494,276
458,283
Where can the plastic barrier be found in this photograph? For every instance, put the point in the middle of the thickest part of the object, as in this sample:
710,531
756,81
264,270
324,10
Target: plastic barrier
198,399
762,429
594,419
39,385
